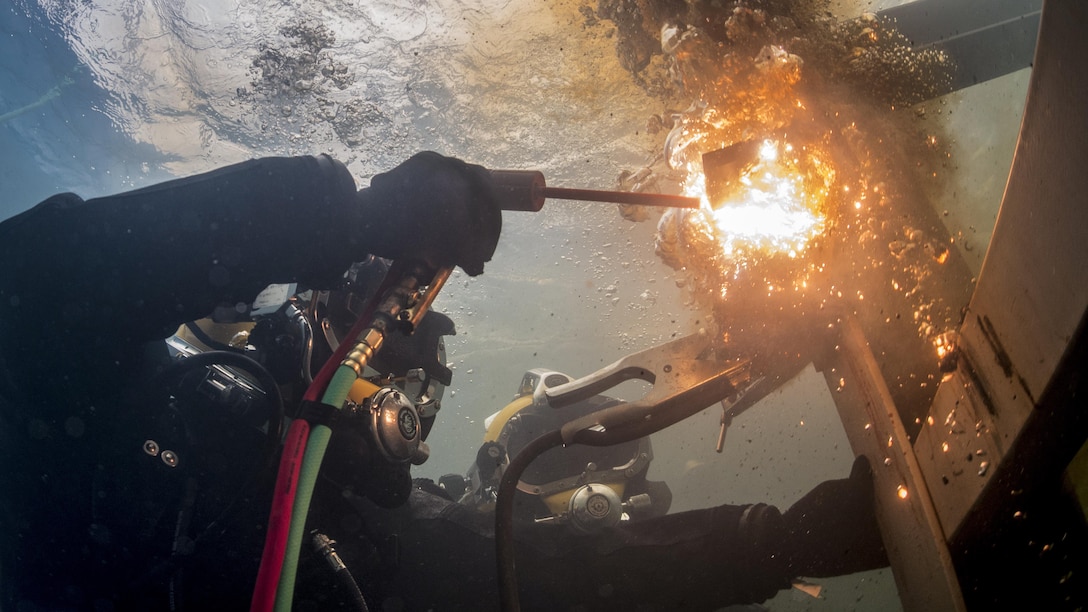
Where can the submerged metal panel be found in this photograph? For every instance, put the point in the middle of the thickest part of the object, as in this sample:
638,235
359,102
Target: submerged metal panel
1032,291
913,537
1031,297
985,38
925,22
957,448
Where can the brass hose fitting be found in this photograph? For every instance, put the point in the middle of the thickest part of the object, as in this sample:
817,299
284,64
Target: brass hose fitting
360,355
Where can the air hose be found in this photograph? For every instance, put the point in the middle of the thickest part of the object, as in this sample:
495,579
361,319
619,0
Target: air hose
279,519
320,434
504,517
324,547
398,296
287,479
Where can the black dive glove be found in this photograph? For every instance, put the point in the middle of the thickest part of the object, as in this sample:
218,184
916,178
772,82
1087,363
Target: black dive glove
435,209
832,530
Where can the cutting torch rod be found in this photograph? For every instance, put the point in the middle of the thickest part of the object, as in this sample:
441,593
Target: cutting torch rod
621,197
526,190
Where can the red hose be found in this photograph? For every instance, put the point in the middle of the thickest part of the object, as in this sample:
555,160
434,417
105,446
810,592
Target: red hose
283,498
294,447
321,382
279,519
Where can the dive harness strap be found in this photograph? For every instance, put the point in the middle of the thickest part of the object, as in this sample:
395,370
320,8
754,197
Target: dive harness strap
318,413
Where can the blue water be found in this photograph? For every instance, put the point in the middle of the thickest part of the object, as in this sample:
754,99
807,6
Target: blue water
63,141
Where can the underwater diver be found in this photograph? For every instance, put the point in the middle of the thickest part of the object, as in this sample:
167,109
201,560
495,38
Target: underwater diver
437,551
97,514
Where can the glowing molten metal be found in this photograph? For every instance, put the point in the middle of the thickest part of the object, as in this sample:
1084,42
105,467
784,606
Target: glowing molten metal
776,207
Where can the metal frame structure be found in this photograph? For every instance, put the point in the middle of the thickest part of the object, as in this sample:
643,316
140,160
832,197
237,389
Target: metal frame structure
973,513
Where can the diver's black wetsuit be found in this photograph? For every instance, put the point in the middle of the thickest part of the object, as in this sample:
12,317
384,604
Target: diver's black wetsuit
88,520
84,287
435,554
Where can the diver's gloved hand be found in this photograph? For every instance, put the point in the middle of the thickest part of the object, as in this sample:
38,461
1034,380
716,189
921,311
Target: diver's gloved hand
432,208
832,530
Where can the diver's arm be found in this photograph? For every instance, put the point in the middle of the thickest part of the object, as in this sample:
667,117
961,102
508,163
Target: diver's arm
694,560
142,262
441,555
444,553
706,559
84,283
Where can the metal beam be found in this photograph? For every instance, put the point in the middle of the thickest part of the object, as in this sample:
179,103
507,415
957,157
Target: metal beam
986,38
913,537
1016,398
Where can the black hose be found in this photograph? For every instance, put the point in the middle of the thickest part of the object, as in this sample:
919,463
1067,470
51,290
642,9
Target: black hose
348,581
605,427
504,517
179,548
323,547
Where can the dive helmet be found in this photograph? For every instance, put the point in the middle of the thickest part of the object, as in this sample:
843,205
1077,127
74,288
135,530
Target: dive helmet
587,487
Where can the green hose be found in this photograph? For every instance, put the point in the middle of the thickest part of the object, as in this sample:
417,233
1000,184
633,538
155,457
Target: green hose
335,395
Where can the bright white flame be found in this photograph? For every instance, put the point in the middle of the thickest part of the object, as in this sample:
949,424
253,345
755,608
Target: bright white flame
769,213
768,151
